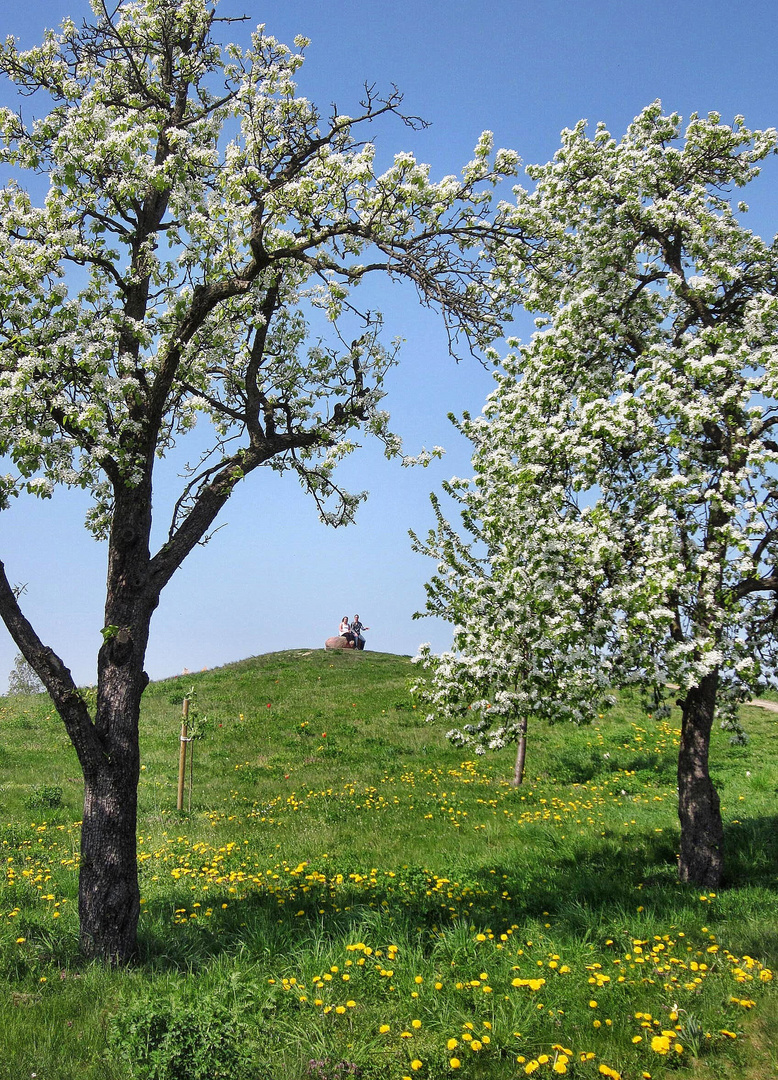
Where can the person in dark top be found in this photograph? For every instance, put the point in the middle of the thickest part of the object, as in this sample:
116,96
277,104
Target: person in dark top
356,629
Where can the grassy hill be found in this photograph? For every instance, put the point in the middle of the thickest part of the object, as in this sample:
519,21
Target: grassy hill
349,896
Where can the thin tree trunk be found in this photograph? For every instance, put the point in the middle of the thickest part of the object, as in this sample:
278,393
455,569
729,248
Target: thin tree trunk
702,833
521,754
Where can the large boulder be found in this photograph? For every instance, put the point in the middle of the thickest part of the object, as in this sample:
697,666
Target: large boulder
338,643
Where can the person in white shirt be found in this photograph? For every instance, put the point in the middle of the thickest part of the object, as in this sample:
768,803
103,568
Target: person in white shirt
346,632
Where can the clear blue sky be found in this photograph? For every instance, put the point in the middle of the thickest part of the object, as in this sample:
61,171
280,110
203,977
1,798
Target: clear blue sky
274,578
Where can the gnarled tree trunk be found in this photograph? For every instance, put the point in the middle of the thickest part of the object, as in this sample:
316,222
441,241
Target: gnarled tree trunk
108,892
702,833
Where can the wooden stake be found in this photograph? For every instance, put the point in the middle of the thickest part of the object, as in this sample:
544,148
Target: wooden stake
191,771
182,755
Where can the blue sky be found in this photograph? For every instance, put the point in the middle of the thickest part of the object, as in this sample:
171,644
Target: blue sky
273,577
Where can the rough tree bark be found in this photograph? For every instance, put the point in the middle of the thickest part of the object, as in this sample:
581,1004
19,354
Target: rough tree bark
702,833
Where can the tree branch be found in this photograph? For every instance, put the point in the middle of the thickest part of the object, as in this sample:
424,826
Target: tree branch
54,676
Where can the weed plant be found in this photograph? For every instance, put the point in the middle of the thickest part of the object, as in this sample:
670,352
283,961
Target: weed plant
349,897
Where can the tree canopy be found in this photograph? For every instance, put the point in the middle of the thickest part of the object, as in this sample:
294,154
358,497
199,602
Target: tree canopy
623,505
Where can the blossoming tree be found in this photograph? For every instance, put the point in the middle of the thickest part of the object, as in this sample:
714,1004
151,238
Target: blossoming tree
623,506
200,217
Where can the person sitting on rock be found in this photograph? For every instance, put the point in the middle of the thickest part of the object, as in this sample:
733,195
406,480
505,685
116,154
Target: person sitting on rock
346,632
356,629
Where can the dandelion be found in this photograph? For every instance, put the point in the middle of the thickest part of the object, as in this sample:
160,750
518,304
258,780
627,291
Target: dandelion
455,1063
416,1064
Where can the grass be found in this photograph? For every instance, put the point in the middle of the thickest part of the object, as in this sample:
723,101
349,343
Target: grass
350,897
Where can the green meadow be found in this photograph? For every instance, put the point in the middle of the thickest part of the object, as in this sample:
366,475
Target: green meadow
351,897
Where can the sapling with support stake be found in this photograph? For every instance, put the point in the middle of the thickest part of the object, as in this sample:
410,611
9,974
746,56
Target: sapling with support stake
192,728
184,739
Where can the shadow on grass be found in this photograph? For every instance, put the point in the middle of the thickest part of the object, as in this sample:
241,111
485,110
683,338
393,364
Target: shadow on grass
617,884
751,849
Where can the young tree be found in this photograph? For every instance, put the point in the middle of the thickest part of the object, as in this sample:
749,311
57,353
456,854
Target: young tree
22,679
199,215
625,465
521,647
